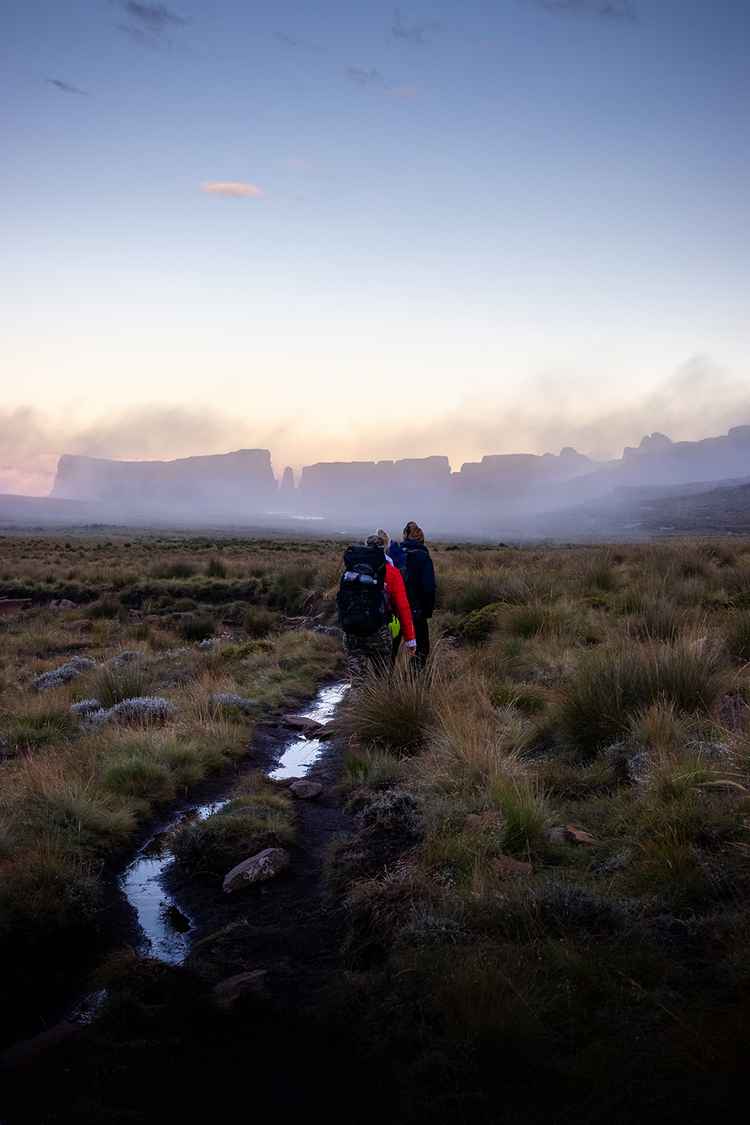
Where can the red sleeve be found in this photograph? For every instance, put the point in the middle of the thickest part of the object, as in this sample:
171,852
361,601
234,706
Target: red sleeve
396,590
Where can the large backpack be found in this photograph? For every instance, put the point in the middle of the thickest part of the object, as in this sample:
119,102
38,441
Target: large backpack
361,599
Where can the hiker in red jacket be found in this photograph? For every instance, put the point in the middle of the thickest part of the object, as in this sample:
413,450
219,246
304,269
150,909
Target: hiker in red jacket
369,645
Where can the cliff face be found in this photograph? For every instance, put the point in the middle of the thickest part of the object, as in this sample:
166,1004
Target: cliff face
241,481
657,460
499,488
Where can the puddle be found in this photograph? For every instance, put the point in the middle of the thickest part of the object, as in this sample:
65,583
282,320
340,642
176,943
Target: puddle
164,927
301,753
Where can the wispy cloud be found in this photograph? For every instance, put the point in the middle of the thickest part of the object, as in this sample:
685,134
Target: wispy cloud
67,87
417,33
156,17
294,42
148,24
362,77
232,189
624,10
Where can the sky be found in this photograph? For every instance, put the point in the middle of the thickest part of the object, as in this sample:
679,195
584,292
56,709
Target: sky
361,230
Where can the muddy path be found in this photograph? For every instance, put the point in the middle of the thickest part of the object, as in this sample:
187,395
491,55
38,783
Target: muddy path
288,928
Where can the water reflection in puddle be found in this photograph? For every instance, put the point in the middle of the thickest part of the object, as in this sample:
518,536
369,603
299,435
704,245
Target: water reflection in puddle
164,926
301,753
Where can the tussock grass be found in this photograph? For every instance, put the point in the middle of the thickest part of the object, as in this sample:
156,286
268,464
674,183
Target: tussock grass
258,816
112,684
525,810
611,685
394,710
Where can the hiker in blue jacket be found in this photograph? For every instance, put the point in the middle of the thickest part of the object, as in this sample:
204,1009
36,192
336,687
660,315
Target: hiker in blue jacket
420,586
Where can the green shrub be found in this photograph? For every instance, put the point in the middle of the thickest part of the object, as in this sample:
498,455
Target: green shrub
373,769
114,683
659,620
107,608
612,683
527,699
196,628
393,710
738,637
141,776
247,825
173,569
259,621
525,812
478,626
216,568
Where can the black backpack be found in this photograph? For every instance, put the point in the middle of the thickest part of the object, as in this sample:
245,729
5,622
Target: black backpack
361,598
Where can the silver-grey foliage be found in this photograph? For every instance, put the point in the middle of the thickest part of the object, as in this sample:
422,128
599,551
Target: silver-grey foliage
64,674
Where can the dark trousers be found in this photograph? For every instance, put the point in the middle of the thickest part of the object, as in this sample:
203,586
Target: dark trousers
422,633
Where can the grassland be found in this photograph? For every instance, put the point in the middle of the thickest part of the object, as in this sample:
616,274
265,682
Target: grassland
547,879
551,873
211,633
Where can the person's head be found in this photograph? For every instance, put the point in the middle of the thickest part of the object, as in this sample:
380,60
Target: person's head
379,539
413,531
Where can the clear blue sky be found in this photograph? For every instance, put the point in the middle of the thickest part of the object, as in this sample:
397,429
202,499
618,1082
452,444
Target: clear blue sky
470,226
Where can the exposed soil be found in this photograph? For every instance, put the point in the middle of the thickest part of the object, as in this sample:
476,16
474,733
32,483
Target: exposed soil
289,927
161,1050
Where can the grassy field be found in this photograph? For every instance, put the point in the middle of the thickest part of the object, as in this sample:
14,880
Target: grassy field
551,857
203,638
554,855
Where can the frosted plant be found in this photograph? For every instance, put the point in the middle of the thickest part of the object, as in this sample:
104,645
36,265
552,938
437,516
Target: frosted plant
64,674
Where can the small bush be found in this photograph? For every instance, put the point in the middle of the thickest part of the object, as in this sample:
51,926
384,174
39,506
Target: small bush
216,568
196,628
478,627
115,682
738,637
249,823
173,569
659,620
523,804
107,608
259,621
393,710
373,769
611,684
141,776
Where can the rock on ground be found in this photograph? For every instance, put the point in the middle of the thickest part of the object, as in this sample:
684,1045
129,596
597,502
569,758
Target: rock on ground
509,868
257,869
306,790
228,992
300,722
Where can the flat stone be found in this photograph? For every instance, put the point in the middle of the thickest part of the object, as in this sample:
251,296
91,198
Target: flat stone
228,992
301,722
509,868
306,790
575,835
326,731
257,869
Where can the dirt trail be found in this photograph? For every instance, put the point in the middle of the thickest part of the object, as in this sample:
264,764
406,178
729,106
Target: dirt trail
166,1052
290,927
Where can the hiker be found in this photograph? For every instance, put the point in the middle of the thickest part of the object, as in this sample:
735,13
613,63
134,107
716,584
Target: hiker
370,593
397,555
420,587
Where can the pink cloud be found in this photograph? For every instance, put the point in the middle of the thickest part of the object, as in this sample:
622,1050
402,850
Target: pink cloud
232,189
403,91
